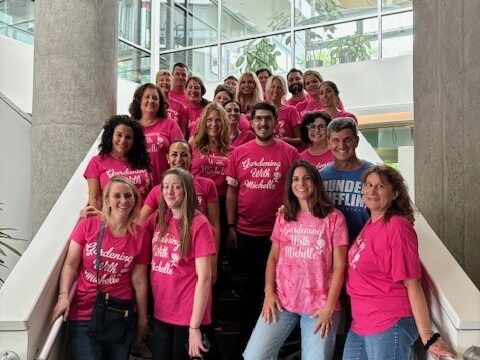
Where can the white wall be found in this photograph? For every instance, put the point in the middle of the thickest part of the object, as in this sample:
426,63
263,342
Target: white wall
14,177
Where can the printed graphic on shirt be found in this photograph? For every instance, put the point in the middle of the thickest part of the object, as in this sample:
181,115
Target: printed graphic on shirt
300,242
112,265
355,252
155,142
165,250
264,174
345,194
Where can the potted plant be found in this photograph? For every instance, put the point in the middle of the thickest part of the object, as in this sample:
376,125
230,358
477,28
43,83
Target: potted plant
349,48
258,54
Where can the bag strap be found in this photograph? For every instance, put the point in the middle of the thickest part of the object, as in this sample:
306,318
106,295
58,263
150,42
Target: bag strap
99,249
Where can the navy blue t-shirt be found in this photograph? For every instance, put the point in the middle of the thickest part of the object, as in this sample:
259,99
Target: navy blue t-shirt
345,190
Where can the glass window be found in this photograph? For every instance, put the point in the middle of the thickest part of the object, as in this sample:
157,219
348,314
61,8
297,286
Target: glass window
16,11
188,23
270,52
386,141
134,21
336,44
202,62
397,34
396,4
319,11
133,64
241,18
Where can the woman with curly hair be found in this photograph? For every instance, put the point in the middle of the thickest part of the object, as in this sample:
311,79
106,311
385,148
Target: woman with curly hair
313,131
122,151
389,311
195,90
305,271
249,91
149,108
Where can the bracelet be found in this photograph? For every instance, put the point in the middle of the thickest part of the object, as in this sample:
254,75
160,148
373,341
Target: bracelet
194,328
431,341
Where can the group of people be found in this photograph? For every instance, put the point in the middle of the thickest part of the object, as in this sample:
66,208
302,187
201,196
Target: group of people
277,185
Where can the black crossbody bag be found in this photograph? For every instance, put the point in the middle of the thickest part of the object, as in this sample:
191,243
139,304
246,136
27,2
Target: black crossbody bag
112,318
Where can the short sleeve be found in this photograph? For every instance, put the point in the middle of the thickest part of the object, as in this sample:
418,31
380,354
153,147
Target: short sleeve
84,229
211,193
153,197
277,228
405,261
93,168
175,132
340,231
202,237
295,116
145,251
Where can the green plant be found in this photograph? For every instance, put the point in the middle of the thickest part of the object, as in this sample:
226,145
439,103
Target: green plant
349,48
4,247
324,10
256,55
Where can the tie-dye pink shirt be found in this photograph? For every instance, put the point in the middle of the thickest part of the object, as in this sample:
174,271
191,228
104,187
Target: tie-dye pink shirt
305,263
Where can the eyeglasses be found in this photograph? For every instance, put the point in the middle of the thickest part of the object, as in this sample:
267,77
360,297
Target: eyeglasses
318,127
267,118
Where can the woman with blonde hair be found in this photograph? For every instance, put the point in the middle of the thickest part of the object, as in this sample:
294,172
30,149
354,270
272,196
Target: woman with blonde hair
249,91
122,274
182,247
288,120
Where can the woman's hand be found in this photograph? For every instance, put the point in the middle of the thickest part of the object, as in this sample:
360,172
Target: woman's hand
439,348
62,307
324,322
195,343
271,304
88,211
232,238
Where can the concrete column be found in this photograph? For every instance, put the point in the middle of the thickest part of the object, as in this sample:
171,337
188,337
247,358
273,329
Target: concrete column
74,90
446,75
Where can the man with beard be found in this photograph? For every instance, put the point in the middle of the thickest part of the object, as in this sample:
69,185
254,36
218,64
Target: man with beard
256,178
295,87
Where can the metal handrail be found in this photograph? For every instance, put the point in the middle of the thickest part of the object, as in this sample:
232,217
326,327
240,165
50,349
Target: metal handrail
57,325
472,353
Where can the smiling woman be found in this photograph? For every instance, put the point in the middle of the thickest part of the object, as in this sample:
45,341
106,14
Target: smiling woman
123,152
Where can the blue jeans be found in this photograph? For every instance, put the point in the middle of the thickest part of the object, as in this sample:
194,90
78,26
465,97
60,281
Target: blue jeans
83,347
267,339
394,343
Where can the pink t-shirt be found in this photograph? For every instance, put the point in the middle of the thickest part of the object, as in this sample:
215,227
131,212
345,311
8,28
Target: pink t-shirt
318,160
178,112
305,262
159,136
259,173
295,102
179,96
344,113
193,115
288,119
244,124
118,257
173,277
242,137
310,105
103,167
204,189
211,165
382,256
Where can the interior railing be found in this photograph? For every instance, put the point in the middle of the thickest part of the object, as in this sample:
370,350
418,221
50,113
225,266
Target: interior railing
30,292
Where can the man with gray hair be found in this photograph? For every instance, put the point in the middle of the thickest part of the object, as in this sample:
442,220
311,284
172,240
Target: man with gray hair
343,178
